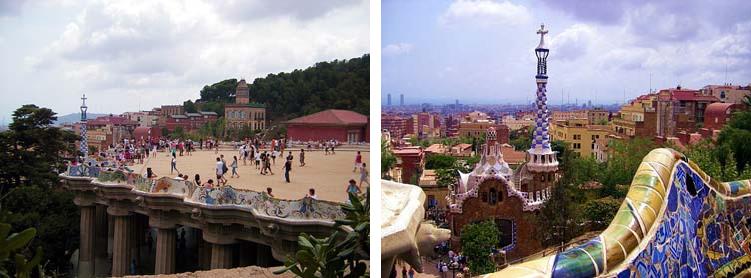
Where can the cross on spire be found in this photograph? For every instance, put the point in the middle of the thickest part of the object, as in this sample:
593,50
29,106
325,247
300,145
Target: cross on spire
542,33
84,99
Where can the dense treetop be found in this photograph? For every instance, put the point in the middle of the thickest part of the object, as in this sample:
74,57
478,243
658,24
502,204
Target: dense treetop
339,84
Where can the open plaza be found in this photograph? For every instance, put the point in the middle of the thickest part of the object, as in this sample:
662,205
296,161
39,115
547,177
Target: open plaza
328,174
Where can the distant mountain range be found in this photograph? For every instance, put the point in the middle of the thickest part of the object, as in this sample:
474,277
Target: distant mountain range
75,117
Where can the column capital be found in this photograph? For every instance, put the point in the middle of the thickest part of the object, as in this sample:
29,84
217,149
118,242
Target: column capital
118,211
162,223
84,199
219,234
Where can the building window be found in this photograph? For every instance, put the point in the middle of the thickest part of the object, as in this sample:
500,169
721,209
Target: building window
493,196
577,146
577,137
722,94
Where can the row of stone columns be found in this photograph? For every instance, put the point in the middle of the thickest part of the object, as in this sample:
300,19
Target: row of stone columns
123,232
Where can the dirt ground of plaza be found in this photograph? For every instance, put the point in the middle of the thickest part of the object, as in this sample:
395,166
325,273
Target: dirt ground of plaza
328,174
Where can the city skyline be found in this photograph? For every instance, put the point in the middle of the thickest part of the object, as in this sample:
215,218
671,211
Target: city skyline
434,53
157,53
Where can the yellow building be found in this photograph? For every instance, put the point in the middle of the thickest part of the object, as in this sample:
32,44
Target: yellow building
579,135
637,118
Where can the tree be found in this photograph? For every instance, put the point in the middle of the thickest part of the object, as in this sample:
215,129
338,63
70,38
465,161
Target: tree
189,106
478,240
388,160
34,153
446,177
735,137
521,138
57,233
14,245
32,150
439,161
599,212
336,255
338,84
558,218
627,155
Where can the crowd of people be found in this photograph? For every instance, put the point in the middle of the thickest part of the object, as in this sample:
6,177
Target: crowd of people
261,155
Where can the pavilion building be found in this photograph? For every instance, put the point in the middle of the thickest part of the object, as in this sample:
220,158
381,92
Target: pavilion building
494,191
342,125
244,113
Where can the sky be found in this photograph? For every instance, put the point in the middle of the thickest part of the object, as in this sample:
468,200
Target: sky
482,51
131,55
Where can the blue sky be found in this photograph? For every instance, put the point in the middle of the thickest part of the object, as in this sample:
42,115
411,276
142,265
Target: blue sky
128,54
482,51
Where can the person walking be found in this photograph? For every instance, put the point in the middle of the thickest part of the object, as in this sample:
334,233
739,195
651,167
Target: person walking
258,159
302,157
353,188
197,179
267,164
219,170
173,165
358,162
287,168
364,175
234,167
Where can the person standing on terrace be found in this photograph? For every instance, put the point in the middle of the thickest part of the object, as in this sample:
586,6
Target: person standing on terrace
364,174
219,170
173,164
353,187
234,167
287,168
358,162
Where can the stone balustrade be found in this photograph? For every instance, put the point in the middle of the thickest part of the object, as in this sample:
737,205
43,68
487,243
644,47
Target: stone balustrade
225,217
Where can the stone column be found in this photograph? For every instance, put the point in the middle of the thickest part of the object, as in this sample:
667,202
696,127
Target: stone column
110,234
165,251
100,243
164,262
221,239
263,255
120,242
221,256
88,227
204,255
247,253
135,242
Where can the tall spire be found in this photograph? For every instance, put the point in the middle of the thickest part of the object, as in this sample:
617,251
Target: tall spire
541,156
84,137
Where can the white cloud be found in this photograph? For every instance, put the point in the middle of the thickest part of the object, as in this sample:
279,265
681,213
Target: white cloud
485,12
172,48
397,49
573,42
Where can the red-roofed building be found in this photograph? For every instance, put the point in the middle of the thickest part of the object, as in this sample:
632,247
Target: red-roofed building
411,161
109,130
340,125
396,125
718,114
680,110
190,121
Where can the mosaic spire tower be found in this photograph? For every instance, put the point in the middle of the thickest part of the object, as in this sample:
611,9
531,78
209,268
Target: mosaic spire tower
84,137
541,156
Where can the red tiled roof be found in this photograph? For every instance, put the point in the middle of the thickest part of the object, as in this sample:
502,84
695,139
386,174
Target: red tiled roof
332,117
685,95
111,120
511,155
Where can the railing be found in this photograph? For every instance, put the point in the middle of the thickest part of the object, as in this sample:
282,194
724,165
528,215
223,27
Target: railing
226,196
